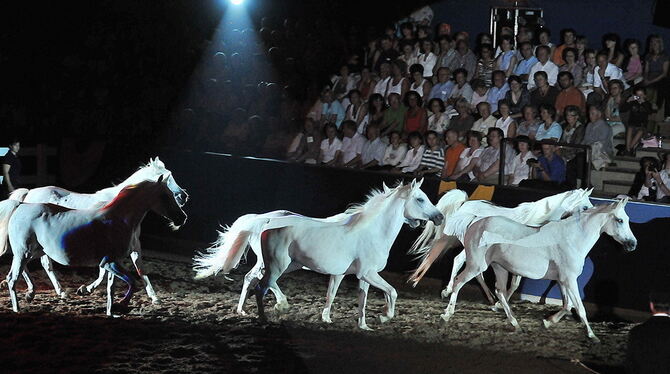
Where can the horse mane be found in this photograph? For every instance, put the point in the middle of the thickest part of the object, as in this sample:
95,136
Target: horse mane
372,198
125,192
153,163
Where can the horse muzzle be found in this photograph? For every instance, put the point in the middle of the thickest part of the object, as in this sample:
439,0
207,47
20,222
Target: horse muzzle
437,219
182,198
629,245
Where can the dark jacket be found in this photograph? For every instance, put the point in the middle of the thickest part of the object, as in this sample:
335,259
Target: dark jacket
649,347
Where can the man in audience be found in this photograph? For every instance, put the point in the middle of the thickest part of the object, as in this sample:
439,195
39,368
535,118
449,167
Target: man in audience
543,64
569,95
452,153
568,36
464,120
352,145
373,150
604,73
432,161
384,78
461,89
442,89
305,145
448,55
598,131
499,89
649,342
486,170
549,167
526,61
331,111
464,58
483,124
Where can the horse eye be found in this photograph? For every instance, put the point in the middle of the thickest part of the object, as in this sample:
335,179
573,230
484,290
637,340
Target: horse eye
420,200
619,220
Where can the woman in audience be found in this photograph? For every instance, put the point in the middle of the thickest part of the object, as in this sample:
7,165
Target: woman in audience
427,58
384,78
543,92
409,55
544,37
468,158
573,129
612,113
571,65
549,129
581,45
611,44
462,89
529,123
485,65
413,156
486,170
506,60
464,120
632,63
662,179
644,186
485,121
506,123
519,169
517,97
416,118
395,151
480,94
420,85
357,111
376,109
656,73
432,161
398,83
331,146
438,121
366,84
394,116
342,83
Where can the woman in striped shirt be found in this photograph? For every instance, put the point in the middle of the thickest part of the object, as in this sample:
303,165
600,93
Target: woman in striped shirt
432,161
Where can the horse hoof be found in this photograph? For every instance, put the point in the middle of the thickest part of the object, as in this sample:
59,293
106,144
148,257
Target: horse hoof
156,301
281,307
3,284
29,296
228,278
383,319
445,293
326,319
365,328
594,339
445,317
82,290
546,323
241,312
64,295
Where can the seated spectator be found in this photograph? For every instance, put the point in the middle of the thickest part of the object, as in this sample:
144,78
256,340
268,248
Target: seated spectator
386,54
412,159
462,89
568,38
486,121
598,131
384,79
427,58
464,58
486,170
612,113
644,185
409,55
543,64
505,122
506,60
352,145
395,151
367,84
343,83
480,93
581,45
394,116
517,97
416,118
306,145
372,154
588,72
468,158
572,66
573,129
447,52
548,129
498,90
452,153
519,169
419,84
529,124
332,111
443,88
464,120
649,342
639,110
632,63
331,146
544,39
662,179
438,121
543,93
398,83
550,167
357,111
569,95
529,60
611,46
485,65
432,161
376,109
656,69
603,73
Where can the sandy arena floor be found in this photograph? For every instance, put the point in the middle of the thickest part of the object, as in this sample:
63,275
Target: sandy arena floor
195,329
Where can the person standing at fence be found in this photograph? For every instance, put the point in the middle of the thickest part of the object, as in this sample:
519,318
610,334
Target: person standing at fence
11,169
649,343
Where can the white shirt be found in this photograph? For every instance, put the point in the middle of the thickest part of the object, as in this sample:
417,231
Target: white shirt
373,150
352,147
428,62
519,168
393,156
418,89
412,160
465,158
439,125
328,150
666,181
464,92
550,68
395,88
380,87
504,124
612,71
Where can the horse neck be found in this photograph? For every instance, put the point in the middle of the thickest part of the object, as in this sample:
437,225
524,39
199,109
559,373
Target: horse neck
387,220
135,178
592,225
131,209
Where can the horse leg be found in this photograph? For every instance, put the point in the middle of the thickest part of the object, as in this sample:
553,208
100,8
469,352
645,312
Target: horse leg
30,293
276,259
136,256
363,287
282,304
118,271
487,291
48,267
254,273
572,289
556,317
391,294
110,292
472,269
516,280
459,260
18,265
85,290
501,290
333,285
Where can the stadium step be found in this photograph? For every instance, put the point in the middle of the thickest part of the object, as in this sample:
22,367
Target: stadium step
627,162
616,186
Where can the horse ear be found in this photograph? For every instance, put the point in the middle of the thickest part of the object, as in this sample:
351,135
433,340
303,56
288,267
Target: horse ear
588,192
386,188
413,183
418,185
160,179
622,203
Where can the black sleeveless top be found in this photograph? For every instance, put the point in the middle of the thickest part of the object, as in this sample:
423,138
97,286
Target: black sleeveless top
14,169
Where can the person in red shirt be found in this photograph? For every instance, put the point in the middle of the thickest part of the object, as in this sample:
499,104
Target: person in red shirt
416,118
569,95
452,153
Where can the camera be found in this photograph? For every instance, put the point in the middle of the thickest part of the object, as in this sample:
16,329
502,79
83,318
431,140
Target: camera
531,162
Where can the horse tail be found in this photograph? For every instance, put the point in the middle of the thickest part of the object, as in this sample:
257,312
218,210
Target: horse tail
19,194
437,250
7,207
448,204
227,251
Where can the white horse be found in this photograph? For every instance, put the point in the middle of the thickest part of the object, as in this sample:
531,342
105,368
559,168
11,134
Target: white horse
357,241
460,214
85,237
154,169
555,251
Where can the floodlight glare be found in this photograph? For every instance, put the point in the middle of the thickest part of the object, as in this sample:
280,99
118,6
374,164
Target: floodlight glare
236,2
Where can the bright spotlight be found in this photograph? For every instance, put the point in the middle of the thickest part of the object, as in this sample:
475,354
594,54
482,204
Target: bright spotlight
236,2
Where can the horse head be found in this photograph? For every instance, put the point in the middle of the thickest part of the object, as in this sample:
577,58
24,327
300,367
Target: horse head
165,203
418,206
577,201
156,169
618,225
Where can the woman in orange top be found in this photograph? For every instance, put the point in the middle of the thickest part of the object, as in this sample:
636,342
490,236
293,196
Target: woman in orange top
416,118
